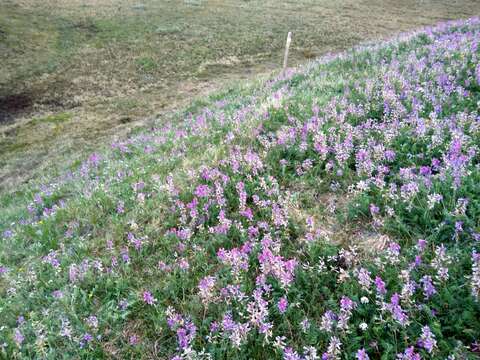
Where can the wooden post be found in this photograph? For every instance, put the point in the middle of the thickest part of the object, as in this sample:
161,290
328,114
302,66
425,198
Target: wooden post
287,48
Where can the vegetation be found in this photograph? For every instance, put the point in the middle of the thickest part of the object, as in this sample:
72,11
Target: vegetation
112,64
331,213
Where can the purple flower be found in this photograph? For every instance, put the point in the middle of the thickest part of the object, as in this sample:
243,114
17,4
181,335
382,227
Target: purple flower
394,248
346,303
274,265
20,320
428,288
92,321
290,354
51,259
214,327
282,305
364,279
477,74
374,209
409,354
459,226
236,332
427,340
362,355
380,285
421,244
57,294
148,298
94,159
123,304
183,264
186,334
18,337
425,170
3,270
389,155
125,255
120,207
86,339
136,242
328,321
7,234
133,340
396,310
202,191
206,287
418,261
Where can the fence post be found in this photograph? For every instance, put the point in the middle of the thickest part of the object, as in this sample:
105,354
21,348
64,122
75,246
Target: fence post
287,48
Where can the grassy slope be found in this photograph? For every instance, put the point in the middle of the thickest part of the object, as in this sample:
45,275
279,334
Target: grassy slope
86,224
106,65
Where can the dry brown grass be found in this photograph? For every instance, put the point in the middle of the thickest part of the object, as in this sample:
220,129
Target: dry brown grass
107,65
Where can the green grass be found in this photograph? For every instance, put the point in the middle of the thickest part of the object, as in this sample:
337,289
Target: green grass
54,119
87,223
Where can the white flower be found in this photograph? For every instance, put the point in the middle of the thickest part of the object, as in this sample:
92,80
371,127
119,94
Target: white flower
279,342
364,300
363,326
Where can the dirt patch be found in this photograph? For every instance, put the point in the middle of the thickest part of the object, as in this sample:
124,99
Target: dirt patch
14,105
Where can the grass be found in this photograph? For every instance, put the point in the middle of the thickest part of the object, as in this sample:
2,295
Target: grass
86,58
268,220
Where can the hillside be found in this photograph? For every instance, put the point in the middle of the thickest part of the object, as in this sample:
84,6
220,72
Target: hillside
79,74
330,213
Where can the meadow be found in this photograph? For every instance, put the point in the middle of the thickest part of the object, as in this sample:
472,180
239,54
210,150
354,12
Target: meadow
331,212
77,74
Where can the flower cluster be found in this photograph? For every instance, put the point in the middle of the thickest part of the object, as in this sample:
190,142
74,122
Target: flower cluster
330,213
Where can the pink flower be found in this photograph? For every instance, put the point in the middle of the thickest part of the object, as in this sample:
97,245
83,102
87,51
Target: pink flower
133,340
283,270
183,264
